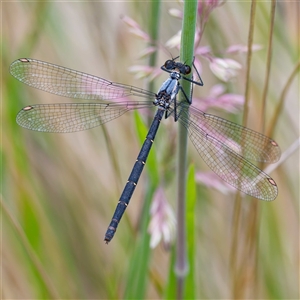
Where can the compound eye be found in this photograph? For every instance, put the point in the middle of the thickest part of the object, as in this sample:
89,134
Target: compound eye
169,64
187,69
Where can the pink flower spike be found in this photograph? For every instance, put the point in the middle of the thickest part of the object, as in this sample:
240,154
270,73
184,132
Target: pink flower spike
231,102
174,41
217,98
205,7
141,71
175,13
136,29
155,73
217,90
225,69
203,50
130,22
147,51
140,33
214,3
162,223
242,48
211,180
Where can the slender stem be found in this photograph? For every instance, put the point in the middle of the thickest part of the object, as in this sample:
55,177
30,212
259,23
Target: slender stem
154,29
237,271
153,32
186,55
249,57
279,107
268,66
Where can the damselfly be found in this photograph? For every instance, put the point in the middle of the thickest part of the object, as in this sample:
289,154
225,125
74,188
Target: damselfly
225,147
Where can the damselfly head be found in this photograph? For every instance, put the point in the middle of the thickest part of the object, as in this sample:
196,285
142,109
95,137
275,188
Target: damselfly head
184,69
172,65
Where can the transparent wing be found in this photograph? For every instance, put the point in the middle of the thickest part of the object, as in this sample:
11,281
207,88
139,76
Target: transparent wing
223,156
70,83
244,141
71,117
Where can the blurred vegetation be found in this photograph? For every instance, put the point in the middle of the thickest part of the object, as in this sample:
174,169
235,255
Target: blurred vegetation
59,191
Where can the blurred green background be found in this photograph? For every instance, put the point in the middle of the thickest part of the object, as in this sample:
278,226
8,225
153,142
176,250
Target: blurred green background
59,191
